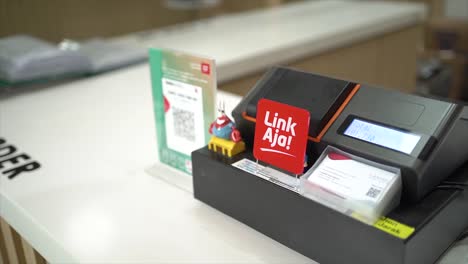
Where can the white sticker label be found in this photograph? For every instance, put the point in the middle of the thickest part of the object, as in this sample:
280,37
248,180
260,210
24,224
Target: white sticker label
184,118
274,175
267,173
249,166
351,179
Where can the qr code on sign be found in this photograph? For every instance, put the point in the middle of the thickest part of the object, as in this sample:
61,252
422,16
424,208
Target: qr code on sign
184,123
373,193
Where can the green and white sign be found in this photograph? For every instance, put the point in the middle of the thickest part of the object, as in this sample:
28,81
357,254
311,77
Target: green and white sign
184,88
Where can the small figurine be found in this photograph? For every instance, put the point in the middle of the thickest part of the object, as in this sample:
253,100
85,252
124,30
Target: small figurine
223,127
225,136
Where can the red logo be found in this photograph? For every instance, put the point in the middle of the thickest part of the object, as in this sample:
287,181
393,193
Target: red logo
281,134
205,68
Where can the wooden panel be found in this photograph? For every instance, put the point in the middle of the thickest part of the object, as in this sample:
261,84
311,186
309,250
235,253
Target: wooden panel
3,250
29,253
55,20
12,255
39,258
3,15
14,249
18,246
76,19
388,61
242,85
357,62
397,56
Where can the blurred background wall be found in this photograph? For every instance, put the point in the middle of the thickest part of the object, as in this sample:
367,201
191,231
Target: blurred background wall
55,20
446,29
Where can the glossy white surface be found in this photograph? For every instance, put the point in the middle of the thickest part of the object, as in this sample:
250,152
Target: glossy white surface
92,200
249,42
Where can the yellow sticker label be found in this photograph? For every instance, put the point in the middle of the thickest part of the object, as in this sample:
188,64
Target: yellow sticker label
394,228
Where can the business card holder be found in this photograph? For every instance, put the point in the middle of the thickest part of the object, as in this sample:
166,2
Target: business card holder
364,197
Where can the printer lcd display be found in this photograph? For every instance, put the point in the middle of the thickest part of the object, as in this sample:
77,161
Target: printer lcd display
383,136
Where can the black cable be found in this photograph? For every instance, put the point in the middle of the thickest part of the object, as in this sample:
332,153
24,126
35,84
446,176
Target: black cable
450,187
463,236
455,183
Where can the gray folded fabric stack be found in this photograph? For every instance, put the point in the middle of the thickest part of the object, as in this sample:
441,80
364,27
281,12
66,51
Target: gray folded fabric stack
106,55
24,58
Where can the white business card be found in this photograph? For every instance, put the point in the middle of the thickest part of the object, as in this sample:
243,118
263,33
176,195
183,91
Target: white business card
351,179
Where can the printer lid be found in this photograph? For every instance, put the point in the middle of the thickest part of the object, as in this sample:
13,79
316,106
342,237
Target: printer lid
294,88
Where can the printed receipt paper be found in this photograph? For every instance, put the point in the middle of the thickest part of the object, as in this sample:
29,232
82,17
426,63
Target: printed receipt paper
351,179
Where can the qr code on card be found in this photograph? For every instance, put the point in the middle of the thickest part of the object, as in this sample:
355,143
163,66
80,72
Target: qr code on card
184,123
373,192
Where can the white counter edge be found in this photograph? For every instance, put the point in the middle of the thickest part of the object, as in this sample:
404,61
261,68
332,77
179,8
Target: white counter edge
25,225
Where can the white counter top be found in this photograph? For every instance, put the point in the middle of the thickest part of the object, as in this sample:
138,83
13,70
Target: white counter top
249,42
92,201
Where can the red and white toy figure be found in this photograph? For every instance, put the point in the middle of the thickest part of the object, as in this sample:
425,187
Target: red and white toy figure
225,136
223,127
